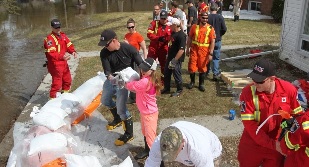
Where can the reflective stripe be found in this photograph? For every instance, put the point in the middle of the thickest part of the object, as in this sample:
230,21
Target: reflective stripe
69,44
156,27
289,144
150,31
56,41
195,41
247,117
305,125
307,151
297,110
255,98
50,49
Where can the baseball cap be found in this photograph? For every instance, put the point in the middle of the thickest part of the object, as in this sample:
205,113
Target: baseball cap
189,1
148,64
55,23
261,70
175,21
106,36
170,141
163,14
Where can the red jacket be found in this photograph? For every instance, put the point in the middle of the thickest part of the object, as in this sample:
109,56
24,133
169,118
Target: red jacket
296,144
284,98
56,46
155,30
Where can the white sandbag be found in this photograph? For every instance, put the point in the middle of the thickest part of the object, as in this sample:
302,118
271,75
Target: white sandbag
49,120
129,75
126,163
90,89
49,141
73,160
12,159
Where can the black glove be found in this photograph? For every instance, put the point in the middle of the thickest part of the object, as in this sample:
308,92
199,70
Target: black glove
161,39
288,125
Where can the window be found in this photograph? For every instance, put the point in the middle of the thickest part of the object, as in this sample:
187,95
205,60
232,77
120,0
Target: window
253,5
304,36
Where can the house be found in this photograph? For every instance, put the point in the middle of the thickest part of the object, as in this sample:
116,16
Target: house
294,45
264,6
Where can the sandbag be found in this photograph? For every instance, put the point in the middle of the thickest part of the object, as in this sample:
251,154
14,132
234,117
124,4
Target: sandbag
81,161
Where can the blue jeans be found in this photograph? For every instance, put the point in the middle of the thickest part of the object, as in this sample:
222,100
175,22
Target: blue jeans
109,91
168,74
215,59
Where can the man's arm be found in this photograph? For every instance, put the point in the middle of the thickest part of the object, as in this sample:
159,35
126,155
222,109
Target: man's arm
154,159
223,27
151,34
106,65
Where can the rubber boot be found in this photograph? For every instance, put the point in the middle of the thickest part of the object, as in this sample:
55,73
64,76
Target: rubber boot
116,122
145,152
179,90
235,18
191,84
128,132
132,98
201,82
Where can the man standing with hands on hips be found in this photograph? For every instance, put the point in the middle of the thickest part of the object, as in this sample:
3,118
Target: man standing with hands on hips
260,99
116,56
56,45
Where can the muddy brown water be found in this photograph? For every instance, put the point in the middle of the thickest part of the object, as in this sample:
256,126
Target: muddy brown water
22,54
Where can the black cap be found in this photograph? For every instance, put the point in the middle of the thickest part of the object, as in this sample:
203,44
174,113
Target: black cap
148,64
163,14
55,23
261,70
189,1
106,36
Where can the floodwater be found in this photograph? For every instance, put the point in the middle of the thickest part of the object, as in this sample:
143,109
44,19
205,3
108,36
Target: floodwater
22,53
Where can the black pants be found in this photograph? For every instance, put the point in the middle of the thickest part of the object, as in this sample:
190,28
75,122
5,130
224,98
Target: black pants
168,74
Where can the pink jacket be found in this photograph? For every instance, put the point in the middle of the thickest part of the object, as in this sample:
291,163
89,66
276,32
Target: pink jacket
146,100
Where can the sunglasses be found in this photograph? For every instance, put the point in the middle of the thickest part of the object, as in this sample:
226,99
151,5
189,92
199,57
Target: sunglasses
156,9
262,82
204,17
108,43
130,27
163,18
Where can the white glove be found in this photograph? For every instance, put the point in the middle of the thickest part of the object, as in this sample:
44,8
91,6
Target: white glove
172,64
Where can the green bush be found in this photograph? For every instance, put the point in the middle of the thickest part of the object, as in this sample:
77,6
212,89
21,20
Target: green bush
277,10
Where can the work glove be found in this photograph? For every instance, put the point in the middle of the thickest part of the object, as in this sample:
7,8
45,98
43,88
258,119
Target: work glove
172,64
112,79
120,83
161,39
289,124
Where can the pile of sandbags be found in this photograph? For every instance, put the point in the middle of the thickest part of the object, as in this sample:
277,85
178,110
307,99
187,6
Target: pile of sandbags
50,137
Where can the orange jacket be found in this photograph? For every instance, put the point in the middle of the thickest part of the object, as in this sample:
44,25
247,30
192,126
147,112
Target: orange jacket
56,46
256,107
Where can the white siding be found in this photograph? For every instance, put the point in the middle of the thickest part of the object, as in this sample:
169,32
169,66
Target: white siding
291,24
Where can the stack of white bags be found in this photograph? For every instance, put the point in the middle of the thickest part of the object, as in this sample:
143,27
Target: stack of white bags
50,137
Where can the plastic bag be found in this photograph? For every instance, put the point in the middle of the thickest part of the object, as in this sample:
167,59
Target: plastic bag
81,161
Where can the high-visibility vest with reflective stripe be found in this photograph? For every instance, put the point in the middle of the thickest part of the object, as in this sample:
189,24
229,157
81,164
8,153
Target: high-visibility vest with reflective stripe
195,40
156,28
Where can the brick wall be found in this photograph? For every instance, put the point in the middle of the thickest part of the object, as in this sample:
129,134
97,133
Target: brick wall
265,6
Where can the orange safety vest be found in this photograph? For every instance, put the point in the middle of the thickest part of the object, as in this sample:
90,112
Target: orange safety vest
195,40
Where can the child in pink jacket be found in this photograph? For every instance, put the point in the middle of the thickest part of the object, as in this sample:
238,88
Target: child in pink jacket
146,90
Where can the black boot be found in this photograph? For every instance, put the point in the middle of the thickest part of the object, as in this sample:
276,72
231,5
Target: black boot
128,132
235,18
145,152
131,98
116,122
179,90
165,91
201,82
191,84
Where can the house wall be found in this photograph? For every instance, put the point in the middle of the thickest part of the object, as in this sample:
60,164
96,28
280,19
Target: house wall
291,25
265,6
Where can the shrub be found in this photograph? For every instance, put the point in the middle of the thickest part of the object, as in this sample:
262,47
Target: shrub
277,10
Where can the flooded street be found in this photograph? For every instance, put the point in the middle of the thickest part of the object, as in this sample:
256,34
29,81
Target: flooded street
22,53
